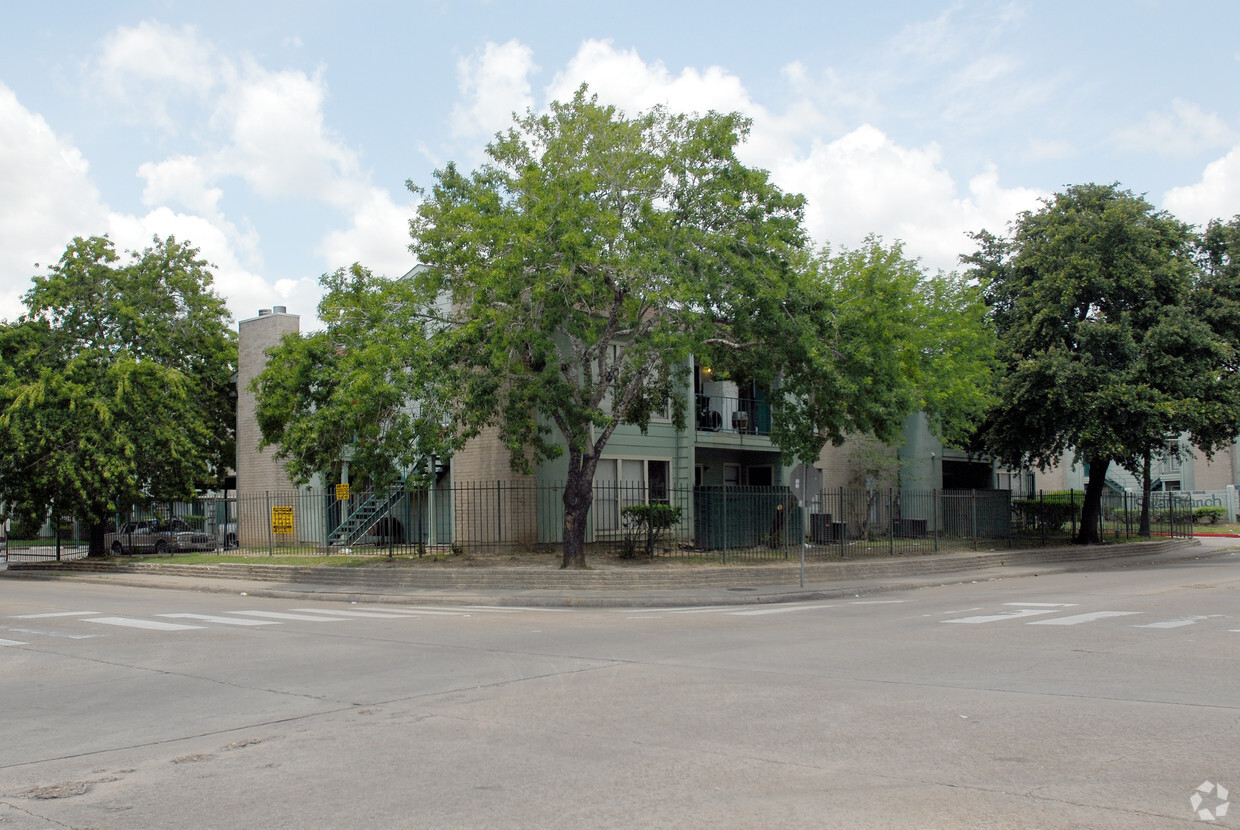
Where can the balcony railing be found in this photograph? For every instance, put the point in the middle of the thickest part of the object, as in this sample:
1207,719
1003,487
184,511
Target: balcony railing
716,413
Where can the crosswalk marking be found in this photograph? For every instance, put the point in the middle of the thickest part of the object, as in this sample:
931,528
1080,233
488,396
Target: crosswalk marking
1006,615
42,633
153,625
1179,622
220,620
1077,619
55,614
279,615
10,643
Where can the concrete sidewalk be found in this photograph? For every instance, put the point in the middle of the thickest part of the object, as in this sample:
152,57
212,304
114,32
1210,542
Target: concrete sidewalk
629,587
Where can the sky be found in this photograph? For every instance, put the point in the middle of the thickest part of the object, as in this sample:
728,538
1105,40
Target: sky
278,137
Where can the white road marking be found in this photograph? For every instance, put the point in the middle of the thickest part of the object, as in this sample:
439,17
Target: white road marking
781,610
879,602
55,614
1043,604
1077,619
670,609
1177,623
957,611
278,615
10,643
420,612
148,624
1007,615
490,609
375,615
221,620
42,633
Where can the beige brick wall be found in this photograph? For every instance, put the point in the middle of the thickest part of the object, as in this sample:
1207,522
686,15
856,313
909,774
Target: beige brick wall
1216,473
258,471
475,470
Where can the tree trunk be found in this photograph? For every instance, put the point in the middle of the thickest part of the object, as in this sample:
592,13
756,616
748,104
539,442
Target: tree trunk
97,530
578,496
1091,510
1146,486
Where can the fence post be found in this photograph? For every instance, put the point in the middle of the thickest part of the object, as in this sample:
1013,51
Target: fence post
1072,508
270,530
973,516
891,522
432,530
934,515
499,512
724,513
841,521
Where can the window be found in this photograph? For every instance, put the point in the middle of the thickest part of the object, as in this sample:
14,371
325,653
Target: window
615,355
763,476
621,482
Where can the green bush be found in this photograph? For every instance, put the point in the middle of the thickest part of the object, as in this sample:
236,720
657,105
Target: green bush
1051,512
196,521
27,525
1209,515
644,524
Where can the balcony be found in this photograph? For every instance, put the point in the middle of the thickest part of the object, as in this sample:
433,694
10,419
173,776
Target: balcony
737,416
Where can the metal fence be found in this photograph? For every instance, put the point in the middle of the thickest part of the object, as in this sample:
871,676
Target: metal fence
713,523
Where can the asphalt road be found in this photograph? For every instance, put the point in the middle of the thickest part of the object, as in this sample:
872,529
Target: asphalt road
1101,699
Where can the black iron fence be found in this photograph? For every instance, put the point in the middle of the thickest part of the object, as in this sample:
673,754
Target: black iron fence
714,523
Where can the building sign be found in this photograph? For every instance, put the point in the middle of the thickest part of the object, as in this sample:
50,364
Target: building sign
342,492
282,520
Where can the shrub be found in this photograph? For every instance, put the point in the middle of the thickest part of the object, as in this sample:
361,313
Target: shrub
1208,515
1052,511
644,524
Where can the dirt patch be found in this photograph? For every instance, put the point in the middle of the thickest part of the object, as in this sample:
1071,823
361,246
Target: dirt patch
189,759
65,789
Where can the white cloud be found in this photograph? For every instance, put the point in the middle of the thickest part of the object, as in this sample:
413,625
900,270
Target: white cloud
1185,130
494,83
46,198
860,183
865,183
622,78
378,237
264,129
147,67
279,143
244,290
1216,196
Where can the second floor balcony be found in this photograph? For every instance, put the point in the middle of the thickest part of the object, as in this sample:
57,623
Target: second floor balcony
738,416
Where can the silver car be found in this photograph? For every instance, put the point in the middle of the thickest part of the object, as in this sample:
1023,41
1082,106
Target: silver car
157,536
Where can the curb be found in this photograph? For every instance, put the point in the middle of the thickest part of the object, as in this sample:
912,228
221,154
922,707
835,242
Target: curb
535,587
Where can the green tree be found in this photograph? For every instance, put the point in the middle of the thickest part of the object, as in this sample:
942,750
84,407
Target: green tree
350,390
571,279
566,287
1101,352
116,383
868,338
577,272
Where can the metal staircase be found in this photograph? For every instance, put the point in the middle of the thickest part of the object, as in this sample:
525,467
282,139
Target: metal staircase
374,508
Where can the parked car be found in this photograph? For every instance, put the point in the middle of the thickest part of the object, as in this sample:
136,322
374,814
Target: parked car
157,536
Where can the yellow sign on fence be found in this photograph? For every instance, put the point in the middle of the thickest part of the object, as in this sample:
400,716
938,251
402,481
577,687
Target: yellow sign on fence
342,492
282,520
